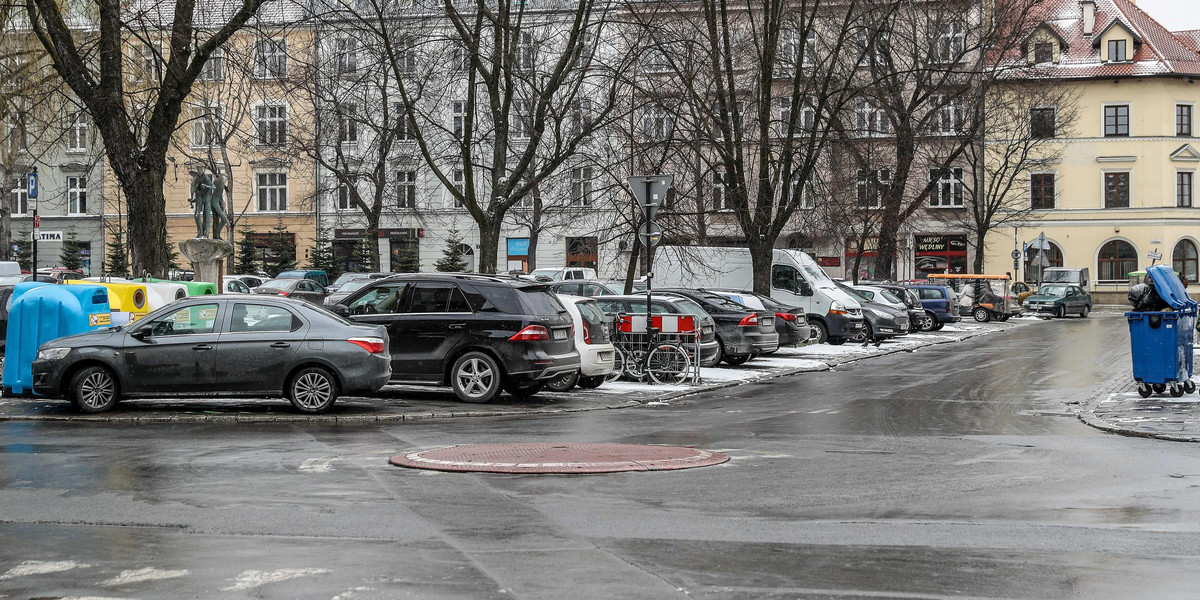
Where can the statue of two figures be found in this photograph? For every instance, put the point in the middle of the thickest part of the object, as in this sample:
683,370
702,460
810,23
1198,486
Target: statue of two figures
208,205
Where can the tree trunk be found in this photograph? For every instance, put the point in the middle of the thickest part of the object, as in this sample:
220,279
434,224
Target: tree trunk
143,186
372,235
885,251
6,225
489,243
535,229
980,235
761,257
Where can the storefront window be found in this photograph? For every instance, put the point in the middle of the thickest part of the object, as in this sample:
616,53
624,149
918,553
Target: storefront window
1054,256
1184,261
1116,261
940,254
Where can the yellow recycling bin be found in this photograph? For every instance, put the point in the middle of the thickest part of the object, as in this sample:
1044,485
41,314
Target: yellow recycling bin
127,301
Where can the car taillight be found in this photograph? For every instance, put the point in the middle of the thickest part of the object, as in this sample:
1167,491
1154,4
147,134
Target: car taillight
587,333
786,316
373,345
283,293
750,320
532,333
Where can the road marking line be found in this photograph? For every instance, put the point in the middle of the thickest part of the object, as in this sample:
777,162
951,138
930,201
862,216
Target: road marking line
251,579
146,574
39,567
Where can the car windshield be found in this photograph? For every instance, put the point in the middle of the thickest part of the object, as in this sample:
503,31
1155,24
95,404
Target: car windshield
1054,291
276,284
345,277
690,307
890,297
545,273
814,271
724,302
354,285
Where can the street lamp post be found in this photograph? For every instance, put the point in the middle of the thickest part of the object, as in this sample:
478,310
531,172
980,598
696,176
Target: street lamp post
32,181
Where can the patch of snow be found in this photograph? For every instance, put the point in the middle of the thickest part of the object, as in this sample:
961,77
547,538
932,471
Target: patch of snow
251,579
146,574
39,567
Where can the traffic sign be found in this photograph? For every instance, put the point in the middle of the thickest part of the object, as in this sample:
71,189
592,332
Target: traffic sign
1040,243
1040,260
33,183
1016,254
650,191
37,221
650,233
1154,255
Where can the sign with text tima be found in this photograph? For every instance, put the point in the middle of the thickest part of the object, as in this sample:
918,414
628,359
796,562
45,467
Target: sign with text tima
48,236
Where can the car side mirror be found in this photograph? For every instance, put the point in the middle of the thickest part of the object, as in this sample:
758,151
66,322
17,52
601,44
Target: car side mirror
340,309
805,289
140,334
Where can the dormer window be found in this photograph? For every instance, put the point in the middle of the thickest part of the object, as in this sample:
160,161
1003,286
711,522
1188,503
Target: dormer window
1116,51
1043,52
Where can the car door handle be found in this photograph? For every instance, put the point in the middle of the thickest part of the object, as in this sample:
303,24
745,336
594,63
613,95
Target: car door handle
456,325
281,345
202,347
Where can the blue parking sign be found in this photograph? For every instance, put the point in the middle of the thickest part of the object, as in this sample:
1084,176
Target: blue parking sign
33,184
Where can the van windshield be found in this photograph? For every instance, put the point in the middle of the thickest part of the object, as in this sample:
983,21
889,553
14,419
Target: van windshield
1050,276
816,275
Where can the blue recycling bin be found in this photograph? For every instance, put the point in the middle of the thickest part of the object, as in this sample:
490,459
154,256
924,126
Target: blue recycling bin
1161,342
42,313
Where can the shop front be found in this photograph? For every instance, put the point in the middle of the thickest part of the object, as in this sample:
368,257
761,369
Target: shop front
935,254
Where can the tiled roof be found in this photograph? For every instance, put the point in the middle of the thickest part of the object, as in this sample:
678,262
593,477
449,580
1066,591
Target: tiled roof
1160,52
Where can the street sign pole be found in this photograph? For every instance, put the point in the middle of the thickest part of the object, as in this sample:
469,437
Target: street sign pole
37,221
650,194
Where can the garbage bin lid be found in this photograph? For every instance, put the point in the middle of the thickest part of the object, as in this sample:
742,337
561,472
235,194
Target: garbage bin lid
1169,287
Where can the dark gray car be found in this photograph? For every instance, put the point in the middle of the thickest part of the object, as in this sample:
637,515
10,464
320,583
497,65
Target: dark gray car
297,289
229,345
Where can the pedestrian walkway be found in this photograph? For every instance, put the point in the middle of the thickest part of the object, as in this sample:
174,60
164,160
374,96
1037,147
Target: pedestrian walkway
1120,409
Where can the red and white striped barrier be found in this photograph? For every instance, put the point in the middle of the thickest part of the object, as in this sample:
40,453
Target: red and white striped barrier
663,323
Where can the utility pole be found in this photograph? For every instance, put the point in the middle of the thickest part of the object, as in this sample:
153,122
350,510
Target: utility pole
32,181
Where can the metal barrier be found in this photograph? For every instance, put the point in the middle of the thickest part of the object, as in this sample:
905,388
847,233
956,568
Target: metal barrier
666,352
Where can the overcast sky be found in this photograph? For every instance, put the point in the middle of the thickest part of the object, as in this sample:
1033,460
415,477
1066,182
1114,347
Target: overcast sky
1175,15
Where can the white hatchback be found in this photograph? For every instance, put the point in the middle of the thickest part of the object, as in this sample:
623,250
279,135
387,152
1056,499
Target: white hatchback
592,340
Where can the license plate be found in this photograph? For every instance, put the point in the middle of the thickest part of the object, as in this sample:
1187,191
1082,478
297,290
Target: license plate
560,334
706,329
769,321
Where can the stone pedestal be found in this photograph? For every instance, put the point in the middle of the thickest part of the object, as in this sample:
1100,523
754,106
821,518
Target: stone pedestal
207,255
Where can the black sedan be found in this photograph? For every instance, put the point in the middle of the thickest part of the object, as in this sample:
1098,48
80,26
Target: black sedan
230,345
741,331
297,289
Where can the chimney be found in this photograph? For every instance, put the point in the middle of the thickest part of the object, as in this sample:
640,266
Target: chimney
1089,17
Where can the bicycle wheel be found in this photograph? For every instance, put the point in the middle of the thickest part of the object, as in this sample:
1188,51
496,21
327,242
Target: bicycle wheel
632,363
668,363
618,366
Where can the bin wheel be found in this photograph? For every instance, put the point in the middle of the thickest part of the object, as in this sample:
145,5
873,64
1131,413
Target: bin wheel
1189,386
1144,390
1159,388
1176,390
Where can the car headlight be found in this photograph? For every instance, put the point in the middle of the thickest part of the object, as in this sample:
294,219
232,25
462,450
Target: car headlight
52,353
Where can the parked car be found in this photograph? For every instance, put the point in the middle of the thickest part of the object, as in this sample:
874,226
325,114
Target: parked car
1059,300
344,291
918,319
346,277
563,274
583,287
251,281
886,297
235,286
230,345
710,349
618,285
742,332
478,334
60,274
1021,291
790,321
299,289
318,276
882,321
592,340
940,303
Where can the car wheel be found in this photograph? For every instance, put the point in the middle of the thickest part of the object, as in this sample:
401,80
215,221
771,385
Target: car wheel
1084,313
1062,312
563,383
865,334
94,390
528,390
982,315
737,360
937,326
591,383
925,323
312,390
475,377
820,331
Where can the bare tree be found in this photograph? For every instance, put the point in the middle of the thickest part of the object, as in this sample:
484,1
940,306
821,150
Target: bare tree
136,98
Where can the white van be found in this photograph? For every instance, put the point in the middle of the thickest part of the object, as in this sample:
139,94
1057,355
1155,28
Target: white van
796,280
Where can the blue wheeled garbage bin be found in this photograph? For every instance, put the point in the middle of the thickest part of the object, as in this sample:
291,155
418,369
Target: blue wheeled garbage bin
1161,341
44,313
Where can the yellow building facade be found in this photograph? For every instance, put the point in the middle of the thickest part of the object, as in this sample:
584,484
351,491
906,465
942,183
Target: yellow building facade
1123,186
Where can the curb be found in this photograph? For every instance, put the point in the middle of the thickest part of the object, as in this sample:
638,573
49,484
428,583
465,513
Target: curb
1092,420
382,418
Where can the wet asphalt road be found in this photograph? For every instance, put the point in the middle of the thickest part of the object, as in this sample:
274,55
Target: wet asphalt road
951,472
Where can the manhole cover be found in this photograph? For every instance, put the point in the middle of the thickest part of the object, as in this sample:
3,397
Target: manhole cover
558,458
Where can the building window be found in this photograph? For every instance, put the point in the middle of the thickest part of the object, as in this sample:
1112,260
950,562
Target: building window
214,67
1116,120
871,46
948,115
272,124
804,193
270,58
1042,123
580,116
459,187
1043,53
733,121
720,195
146,63
872,120
1183,120
784,111
1183,260
272,192
408,60
406,196
19,196
948,188
460,59
581,186
1116,190
344,202
77,133
654,60
526,52
459,123
1041,191
522,119
1116,51
657,124
870,187
1054,256
951,41
76,195
206,127
347,125
404,130
1116,261
346,51
583,252
1184,189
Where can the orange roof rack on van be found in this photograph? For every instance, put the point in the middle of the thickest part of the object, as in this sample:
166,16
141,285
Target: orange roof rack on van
965,276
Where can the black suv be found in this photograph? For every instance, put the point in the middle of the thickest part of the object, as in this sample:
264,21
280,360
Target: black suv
476,333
